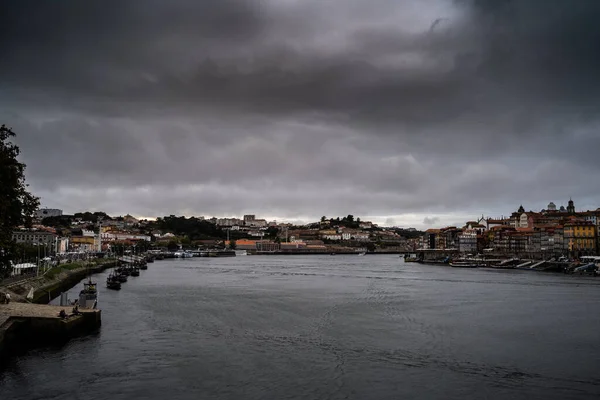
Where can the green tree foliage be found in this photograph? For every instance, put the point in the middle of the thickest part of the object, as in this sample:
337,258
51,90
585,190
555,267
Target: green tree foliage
92,217
271,232
232,244
17,205
347,221
193,228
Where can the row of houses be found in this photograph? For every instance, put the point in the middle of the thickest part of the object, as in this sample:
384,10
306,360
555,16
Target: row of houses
86,241
550,232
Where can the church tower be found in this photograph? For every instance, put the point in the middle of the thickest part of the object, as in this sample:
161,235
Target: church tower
571,207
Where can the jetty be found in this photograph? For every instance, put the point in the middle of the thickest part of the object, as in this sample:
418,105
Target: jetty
28,325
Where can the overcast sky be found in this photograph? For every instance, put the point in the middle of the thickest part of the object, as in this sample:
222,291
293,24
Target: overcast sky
408,112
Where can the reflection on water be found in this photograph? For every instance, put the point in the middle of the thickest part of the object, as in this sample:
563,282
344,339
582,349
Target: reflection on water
327,327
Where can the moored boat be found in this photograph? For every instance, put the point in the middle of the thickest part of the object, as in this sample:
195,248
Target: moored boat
466,264
88,297
112,282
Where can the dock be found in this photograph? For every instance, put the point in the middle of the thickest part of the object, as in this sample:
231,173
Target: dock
27,325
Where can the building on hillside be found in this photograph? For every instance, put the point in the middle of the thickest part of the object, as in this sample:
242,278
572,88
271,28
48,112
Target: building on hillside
123,236
35,237
492,222
474,226
83,243
257,223
229,222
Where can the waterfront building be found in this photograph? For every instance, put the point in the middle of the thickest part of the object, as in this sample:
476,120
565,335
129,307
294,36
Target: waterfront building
580,237
467,241
431,239
520,241
499,238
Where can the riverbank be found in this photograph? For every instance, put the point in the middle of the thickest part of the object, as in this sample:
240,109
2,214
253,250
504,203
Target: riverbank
56,280
25,325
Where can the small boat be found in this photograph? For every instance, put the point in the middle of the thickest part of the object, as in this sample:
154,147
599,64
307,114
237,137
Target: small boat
411,258
241,253
112,282
221,253
362,253
143,266
135,271
88,297
121,278
466,264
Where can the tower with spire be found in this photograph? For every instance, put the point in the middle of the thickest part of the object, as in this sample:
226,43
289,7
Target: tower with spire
571,207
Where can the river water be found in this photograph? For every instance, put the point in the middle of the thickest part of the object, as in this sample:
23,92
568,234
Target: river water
327,327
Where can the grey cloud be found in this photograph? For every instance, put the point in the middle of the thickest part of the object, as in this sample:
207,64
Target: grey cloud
431,220
367,104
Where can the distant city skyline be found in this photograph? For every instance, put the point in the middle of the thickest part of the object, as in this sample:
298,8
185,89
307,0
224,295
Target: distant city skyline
401,220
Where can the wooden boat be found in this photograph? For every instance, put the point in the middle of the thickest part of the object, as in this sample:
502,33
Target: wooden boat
88,297
112,282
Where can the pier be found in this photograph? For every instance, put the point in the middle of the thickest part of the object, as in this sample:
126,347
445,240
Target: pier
28,325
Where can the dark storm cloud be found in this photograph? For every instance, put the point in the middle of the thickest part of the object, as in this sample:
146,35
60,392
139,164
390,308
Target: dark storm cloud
471,101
